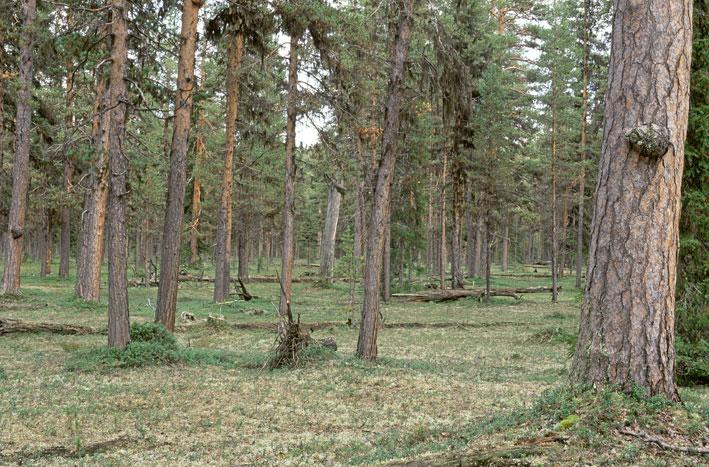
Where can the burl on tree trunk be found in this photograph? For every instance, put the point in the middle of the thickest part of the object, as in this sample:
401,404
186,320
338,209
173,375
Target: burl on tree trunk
626,335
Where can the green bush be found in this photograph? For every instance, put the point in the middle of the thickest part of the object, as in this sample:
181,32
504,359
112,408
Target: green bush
151,345
692,361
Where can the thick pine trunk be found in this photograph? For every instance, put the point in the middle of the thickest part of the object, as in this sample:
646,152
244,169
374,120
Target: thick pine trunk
177,178
222,248
288,244
93,218
20,170
626,333
369,325
118,321
327,250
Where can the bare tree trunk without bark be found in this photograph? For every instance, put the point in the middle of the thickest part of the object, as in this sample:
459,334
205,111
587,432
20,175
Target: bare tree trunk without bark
327,253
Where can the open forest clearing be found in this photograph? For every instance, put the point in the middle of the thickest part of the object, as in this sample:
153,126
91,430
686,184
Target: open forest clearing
459,380
354,232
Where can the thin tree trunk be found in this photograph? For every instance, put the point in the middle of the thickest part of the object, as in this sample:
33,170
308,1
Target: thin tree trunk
288,244
626,336
443,258
488,259
369,325
554,221
199,150
174,205
20,170
222,249
118,320
469,232
93,222
584,143
46,252
478,246
386,266
65,234
506,247
458,178
327,253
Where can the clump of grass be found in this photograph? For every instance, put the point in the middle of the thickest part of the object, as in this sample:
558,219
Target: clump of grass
3,375
151,345
555,335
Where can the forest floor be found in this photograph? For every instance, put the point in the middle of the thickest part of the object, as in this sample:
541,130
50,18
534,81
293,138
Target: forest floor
490,388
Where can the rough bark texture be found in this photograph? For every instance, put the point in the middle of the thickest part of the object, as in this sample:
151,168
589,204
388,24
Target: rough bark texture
627,321
289,184
469,232
222,248
93,217
174,208
327,253
554,221
20,169
458,176
118,322
443,257
369,325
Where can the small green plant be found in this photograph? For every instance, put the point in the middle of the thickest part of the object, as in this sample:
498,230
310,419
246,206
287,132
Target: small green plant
3,375
692,361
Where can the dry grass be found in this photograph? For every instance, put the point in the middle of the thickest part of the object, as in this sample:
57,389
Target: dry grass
433,390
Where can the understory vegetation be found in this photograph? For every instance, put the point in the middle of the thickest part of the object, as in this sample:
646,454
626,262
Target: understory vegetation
484,383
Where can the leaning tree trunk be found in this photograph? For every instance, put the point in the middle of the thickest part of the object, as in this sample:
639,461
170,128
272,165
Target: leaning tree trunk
174,206
93,218
222,248
20,169
288,244
626,336
327,251
369,326
118,321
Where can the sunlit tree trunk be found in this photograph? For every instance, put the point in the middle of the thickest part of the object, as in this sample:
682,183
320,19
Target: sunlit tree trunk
20,169
626,336
174,205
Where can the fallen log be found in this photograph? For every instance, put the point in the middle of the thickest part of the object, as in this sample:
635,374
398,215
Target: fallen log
14,326
456,294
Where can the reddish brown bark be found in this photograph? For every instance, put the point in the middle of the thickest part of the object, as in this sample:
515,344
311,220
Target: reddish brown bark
177,178
118,163
20,170
626,334
93,217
